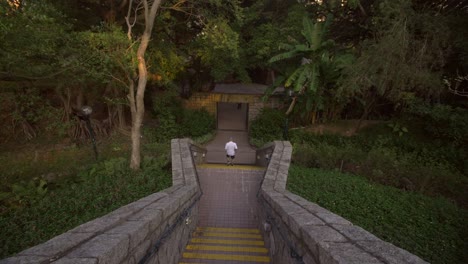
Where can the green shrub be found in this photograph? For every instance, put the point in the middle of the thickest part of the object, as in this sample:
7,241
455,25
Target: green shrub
267,127
441,121
196,123
432,228
174,121
168,127
400,161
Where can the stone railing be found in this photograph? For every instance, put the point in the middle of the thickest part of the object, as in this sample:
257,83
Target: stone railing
298,231
154,229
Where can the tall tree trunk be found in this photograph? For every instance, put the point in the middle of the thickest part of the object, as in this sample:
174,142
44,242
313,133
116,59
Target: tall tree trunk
137,105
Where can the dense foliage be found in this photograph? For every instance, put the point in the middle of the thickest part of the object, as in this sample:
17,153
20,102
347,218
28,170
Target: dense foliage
406,162
267,127
432,228
37,211
174,121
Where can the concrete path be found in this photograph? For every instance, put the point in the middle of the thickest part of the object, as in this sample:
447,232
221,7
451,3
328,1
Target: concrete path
217,154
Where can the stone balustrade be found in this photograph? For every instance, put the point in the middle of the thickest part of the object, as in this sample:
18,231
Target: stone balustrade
154,229
299,231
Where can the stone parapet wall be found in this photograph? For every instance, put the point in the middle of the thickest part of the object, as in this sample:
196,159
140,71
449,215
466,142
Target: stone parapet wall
208,101
154,229
298,231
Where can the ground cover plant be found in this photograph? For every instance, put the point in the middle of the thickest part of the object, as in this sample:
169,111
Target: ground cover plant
37,210
432,228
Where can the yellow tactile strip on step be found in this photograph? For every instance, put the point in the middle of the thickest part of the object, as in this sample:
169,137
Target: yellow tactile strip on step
231,235
227,242
228,230
235,167
228,248
220,244
226,257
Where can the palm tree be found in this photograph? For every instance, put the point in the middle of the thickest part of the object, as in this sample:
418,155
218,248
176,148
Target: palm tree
319,61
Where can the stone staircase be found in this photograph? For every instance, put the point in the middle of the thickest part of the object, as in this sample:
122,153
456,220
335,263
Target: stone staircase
225,245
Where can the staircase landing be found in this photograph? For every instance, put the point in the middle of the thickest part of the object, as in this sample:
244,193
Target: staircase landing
217,154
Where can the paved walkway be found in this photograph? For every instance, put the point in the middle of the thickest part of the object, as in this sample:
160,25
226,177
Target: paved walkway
217,154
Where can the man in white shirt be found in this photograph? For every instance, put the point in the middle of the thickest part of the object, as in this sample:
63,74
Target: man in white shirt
230,148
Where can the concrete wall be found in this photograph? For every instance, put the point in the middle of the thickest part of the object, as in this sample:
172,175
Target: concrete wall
154,229
298,231
208,101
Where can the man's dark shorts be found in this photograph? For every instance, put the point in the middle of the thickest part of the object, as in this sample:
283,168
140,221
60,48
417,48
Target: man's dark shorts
232,157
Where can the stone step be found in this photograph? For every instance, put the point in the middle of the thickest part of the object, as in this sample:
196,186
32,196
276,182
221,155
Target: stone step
225,245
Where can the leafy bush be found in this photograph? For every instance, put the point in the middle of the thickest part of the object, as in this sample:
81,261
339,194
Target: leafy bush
168,127
267,127
441,121
174,121
432,228
196,123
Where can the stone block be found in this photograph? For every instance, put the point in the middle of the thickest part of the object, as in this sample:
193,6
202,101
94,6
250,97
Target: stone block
139,252
312,207
24,260
76,261
280,184
269,195
135,230
295,198
309,259
100,224
57,245
129,209
355,233
171,190
270,175
331,218
315,234
167,206
337,253
268,184
153,197
390,253
285,207
106,248
299,219
151,216
178,181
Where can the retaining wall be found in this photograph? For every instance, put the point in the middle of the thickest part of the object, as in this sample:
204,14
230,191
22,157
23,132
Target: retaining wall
154,229
298,231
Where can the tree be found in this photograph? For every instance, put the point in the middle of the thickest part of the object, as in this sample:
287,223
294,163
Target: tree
137,82
318,65
403,58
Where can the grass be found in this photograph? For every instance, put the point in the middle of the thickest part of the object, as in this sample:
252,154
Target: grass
92,189
432,228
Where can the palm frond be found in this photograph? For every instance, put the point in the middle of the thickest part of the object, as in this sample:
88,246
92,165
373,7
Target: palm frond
308,28
302,48
292,78
283,56
270,89
314,79
285,46
301,79
317,33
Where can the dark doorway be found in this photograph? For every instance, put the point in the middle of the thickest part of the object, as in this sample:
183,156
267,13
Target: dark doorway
232,116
